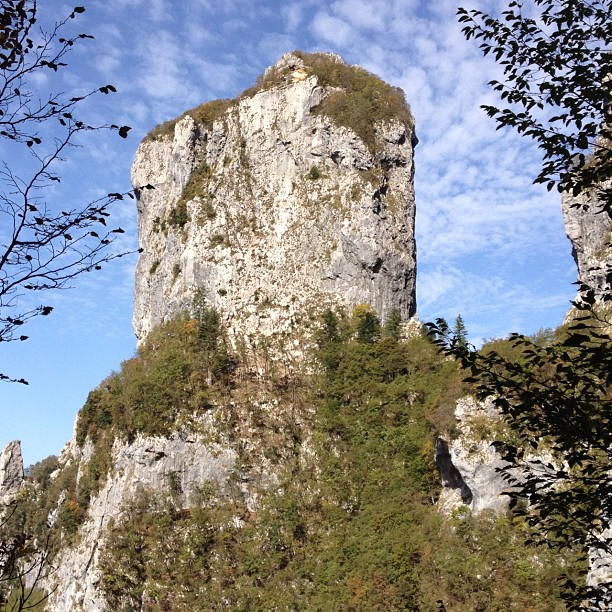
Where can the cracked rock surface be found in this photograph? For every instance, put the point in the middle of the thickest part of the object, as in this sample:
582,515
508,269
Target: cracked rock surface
274,212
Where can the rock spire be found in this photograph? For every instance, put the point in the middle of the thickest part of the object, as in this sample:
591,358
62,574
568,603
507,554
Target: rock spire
292,198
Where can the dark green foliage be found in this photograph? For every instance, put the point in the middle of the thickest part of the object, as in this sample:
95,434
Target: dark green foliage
179,217
367,324
328,338
209,331
368,328
350,525
555,392
314,173
175,556
173,373
329,332
460,332
393,325
212,341
556,397
557,85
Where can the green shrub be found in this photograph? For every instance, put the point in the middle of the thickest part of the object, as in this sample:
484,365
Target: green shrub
364,99
154,267
167,379
196,187
179,217
314,173
348,522
349,525
205,114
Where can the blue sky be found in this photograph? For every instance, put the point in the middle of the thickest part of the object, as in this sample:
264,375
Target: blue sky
491,246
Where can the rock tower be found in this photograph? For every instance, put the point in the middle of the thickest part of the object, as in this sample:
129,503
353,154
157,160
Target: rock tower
292,198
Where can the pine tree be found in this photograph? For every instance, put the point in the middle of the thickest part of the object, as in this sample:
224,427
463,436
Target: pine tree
393,325
460,333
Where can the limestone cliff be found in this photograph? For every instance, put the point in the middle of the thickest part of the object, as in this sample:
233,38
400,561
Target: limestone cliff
468,463
272,207
296,196
218,453
590,232
11,472
146,462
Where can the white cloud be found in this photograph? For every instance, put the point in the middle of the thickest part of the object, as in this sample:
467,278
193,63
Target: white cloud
161,11
363,14
273,46
490,246
162,75
333,30
293,14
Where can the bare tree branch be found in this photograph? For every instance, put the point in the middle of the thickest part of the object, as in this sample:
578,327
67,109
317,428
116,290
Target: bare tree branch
43,246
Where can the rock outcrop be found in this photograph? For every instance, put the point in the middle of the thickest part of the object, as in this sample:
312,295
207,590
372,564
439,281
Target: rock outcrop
11,472
271,207
279,204
219,454
468,464
147,463
590,232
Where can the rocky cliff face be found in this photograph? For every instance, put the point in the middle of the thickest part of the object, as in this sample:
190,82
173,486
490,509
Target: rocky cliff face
590,232
219,454
271,207
145,463
11,472
468,463
280,203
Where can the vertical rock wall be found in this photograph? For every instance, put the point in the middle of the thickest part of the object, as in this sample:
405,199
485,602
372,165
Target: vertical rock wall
590,232
11,472
274,211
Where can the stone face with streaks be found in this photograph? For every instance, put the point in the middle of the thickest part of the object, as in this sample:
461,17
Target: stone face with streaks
274,212
590,232
11,471
468,463
144,463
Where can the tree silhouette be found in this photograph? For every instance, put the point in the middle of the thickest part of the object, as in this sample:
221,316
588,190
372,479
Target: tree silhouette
557,399
557,62
43,246
460,332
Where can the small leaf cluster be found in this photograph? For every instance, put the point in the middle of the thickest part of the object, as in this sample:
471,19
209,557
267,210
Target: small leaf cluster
557,86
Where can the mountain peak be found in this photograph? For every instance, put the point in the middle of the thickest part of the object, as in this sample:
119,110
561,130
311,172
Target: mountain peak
291,199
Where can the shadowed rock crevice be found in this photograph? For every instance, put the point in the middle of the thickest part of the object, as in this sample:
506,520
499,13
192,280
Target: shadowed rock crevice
449,475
